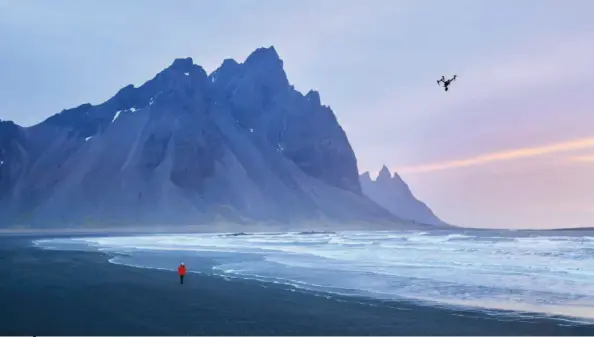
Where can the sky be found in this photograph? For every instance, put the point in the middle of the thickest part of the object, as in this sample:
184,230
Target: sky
511,145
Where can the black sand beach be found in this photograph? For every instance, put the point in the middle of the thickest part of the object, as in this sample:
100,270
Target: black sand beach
81,293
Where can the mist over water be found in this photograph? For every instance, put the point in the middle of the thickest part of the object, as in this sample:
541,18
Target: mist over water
540,272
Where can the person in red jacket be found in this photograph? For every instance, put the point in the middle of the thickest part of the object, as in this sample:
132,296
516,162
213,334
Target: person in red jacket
181,270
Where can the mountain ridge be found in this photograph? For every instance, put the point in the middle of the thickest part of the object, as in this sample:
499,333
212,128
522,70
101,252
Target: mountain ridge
186,147
393,193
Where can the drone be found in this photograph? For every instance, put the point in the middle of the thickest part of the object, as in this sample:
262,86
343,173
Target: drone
446,83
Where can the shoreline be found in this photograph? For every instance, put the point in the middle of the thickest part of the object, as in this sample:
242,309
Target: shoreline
225,227
82,293
554,312
193,230
205,229
427,302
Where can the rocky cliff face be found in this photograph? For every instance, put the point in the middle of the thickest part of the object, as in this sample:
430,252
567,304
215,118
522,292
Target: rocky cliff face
13,156
392,193
186,148
306,132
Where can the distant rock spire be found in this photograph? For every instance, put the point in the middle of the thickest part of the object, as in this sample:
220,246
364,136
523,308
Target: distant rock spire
365,177
391,192
397,179
384,174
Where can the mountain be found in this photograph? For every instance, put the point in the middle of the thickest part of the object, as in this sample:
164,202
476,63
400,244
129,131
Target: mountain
239,145
392,193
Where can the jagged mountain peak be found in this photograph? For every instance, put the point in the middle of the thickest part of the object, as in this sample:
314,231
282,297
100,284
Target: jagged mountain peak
384,174
365,176
257,90
264,64
182,80
392,193
185,147
313,97
264,55
263,67
398,179
229,62
182,64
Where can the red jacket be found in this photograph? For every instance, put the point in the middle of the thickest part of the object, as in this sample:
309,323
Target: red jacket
181,270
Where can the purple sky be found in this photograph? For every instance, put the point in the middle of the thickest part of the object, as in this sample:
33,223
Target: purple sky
510,146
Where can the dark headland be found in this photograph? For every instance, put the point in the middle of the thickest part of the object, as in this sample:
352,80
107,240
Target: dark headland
81,293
